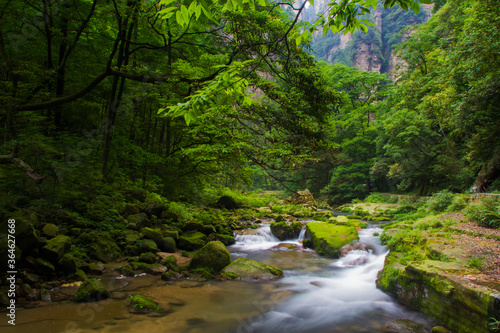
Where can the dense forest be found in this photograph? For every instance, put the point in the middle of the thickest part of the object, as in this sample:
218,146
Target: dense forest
121,116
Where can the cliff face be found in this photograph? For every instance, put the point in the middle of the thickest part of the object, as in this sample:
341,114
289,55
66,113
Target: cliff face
370,51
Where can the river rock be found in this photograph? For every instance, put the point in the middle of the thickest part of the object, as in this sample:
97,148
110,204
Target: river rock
68,263
248,269
327,239
405,326
91,290
225,239
284,230
213,256
148,245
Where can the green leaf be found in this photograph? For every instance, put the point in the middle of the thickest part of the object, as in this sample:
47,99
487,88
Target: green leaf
311,2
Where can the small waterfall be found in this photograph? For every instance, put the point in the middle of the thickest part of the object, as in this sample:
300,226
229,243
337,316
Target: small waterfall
302,235
263,239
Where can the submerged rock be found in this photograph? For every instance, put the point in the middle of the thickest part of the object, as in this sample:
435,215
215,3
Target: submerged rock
91,290
142,305
244,268
405,326
327,239
214,256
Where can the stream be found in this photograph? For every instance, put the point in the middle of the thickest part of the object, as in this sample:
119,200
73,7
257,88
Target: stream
317,294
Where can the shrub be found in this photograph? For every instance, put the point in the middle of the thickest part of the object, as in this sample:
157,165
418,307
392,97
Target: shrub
440,201
485,213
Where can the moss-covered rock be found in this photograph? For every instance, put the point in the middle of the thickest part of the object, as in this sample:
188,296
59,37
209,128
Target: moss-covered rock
68,263
26,237
225,239
284,230
192,240
126,270
148,245
227,202
56,247
147,257
50,230
167,244
135,195
244,268
153,269
137,221
434,287
213,256
142,305
154,234
327,239
169,232
79,275
169,261
93,268
131,209
156,209
91,290
4,300
195,226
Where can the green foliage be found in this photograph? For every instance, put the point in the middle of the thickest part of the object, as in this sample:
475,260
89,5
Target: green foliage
485,213
476,263
440,201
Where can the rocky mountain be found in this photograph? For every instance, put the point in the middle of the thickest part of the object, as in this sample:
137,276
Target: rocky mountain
371,51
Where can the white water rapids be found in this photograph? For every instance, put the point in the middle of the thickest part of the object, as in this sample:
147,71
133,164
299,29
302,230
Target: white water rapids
339,297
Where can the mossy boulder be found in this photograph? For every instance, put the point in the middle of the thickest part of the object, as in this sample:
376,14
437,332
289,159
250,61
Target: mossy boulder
169,232
142,305
156,209
26,237
213,256
192,240
226,239
126,270
154,234
79,275
56,248
284,230
137,221
435,288
4,300
131,236
50,230
131,209
91,290
195,226
153,269
304,198
148,245
327,239
167,244
68,263
248,269
147,257
227,202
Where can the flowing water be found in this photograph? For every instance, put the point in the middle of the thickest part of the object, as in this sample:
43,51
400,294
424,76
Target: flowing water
317,294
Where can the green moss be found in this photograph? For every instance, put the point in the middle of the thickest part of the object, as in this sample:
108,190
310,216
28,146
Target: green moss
203,272
250,269
91,290
142,304
328,238
192,240
56,247
169,261
213,256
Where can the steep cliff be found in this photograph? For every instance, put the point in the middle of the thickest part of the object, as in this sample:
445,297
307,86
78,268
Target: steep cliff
371,51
